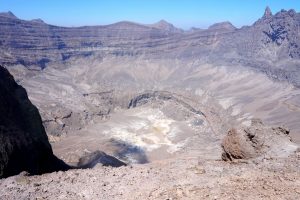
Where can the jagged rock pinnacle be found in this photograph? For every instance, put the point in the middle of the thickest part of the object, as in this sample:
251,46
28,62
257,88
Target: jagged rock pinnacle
268,12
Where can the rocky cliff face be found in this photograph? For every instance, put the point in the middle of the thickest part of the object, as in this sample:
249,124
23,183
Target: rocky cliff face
36,43
24,143
271,45
274,37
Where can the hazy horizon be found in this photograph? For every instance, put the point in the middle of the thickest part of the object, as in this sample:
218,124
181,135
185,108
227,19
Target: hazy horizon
182,14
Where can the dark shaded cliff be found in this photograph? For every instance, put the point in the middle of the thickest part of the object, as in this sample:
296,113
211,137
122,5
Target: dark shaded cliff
24,144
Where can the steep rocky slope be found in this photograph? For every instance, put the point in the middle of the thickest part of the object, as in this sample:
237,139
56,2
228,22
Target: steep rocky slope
270,45
77,96
36,43
24,143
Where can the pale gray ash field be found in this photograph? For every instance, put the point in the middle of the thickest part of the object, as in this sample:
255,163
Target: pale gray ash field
150,111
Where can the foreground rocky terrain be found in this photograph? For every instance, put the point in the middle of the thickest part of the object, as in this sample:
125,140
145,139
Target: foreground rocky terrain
200,114
186,177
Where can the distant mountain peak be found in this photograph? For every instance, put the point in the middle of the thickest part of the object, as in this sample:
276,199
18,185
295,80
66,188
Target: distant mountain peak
38,20
268,12
164,25
8,15
290,12
163,22
266,17
194,29
222,25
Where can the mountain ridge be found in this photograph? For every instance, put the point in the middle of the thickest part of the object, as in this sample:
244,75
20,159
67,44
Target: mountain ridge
272,38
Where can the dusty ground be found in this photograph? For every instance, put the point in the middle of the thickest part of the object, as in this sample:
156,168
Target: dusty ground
181,178
147,133
264,165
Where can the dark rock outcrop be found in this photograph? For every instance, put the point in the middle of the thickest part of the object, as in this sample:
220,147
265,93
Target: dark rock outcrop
24,143
164,96
92,159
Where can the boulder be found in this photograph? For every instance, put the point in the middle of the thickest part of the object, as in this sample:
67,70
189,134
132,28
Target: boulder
258,140
99,157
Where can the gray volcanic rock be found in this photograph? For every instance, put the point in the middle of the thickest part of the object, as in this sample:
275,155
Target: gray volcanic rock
271,45
32,43
280,29
92,159
24,143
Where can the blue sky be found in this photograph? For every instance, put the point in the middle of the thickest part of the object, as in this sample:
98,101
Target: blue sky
182,13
